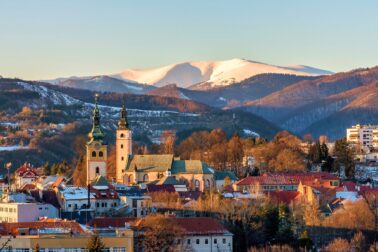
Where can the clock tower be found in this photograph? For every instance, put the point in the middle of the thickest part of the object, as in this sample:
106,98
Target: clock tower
96,148
123,145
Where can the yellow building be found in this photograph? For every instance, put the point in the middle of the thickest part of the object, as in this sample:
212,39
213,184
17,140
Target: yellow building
59,236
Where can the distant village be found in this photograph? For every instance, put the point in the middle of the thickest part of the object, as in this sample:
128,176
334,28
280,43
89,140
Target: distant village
188,205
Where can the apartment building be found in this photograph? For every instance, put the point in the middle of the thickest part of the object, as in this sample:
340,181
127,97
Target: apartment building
364,136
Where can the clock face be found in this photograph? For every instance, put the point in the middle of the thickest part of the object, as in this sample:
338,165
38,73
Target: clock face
97,146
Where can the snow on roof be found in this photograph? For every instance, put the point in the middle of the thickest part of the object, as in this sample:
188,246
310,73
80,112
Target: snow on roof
75,193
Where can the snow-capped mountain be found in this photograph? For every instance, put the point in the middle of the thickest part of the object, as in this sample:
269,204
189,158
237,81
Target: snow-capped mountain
211,73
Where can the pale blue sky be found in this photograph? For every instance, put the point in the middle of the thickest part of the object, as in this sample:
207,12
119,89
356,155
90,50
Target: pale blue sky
42,39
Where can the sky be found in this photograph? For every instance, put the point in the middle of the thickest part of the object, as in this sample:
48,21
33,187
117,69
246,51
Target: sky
45,39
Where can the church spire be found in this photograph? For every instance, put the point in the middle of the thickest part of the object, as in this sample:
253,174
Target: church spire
96,133
122,123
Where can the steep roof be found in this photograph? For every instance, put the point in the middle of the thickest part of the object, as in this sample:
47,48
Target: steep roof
284,196
221,175
106,222
26,170
150,163
190,166
100,181
201,226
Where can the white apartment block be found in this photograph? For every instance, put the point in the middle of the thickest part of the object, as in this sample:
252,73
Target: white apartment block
26,212
364,136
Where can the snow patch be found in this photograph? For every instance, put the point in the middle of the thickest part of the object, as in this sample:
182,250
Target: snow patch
251,133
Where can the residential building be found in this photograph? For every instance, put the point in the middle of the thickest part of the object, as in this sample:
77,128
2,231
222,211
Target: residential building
25,174
106,197
201,234
24,212
59,236
224,179
72,198
286,181
364,137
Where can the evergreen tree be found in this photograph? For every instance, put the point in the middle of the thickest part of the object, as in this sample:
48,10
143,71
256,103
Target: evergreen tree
284,233
344,157
46,169
95,244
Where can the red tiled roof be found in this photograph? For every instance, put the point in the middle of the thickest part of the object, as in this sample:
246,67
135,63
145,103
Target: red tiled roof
288,178
106,222
26,170
349,185
201,226
283,196
13,228
105,194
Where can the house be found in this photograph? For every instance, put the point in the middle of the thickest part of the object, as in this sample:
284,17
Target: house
25,174
106,197
286,181
58,235
224,179
72,198
201,234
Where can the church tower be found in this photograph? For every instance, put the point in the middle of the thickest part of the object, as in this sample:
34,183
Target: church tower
123,145
96,148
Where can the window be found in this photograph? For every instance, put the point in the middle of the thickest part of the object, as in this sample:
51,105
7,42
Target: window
100,154
94,154
215,241
145,178
122,135
69,205
206,241
119,249
197,241
197,184
121,146
122,158
188,241
97,170
224,240
97,204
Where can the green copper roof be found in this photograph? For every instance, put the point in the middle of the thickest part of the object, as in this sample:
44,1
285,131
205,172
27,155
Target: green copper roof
221,175
100,181
150,163
190,166
96,133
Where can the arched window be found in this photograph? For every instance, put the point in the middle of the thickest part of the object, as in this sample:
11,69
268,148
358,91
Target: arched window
208,183
197,184
93,154
97,170
145,178
121,146
122,158
122,135
100,154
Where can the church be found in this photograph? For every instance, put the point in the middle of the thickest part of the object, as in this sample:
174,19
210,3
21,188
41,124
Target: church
132,169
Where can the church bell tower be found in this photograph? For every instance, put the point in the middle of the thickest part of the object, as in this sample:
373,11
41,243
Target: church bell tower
123,145
96,148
